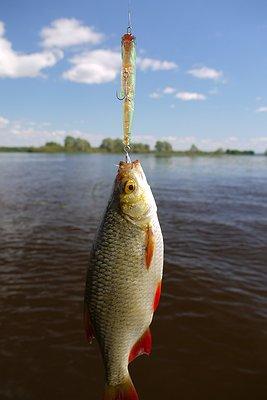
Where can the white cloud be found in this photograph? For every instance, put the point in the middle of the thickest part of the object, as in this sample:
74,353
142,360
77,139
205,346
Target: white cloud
205,73
30,133
155,65
169,90
261,110
257,144
189,96
180,140
97,66
3,122
18,65
261,140
145,138
66,32
35,134
155,95
103,65
29,136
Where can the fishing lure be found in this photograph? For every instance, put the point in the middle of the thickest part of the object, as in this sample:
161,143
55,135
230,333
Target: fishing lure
128,54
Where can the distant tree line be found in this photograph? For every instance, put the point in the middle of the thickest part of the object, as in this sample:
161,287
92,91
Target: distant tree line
109,145
116,146
238,152
71,145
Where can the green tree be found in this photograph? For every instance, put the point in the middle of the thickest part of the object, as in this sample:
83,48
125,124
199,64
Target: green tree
76,145
69,143
163,147
219,151
51,144
49,147
107,144
112,145
194,149
140,148
82,145
118,145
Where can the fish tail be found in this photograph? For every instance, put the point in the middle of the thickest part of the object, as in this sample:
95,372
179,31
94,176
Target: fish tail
123,391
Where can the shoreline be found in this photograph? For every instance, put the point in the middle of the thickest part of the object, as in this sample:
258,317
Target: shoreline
10,150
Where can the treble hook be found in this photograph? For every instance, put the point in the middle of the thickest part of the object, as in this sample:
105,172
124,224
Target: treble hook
120,98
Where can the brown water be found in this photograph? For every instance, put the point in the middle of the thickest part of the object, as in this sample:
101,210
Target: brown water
210,331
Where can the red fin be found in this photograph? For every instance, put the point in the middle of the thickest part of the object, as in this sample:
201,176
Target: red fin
157,296
150,246
124,391
89,330
142,346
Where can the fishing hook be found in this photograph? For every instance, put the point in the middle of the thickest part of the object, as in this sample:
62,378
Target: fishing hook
120,98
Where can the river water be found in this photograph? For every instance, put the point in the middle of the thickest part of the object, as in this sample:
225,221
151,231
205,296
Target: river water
210,331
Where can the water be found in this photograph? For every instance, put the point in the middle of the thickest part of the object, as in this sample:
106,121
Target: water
209,333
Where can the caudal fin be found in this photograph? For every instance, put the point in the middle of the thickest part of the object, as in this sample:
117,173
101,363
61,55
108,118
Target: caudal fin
123,391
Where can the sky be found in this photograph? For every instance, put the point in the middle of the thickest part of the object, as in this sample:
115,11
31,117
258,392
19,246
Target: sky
201,72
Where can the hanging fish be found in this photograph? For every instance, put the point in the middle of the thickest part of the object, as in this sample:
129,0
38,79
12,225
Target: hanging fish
123,283
128,54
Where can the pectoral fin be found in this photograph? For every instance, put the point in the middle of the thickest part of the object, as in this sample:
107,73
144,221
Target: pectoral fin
150,246
142,346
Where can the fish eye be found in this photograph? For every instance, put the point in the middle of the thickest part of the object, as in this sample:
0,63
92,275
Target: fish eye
129,186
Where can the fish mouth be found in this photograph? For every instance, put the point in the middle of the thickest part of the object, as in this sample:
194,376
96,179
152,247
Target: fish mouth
127,165
125,168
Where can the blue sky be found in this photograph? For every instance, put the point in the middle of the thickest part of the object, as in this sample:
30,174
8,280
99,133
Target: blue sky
201,77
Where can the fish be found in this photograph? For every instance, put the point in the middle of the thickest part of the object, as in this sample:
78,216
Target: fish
123,281
128,72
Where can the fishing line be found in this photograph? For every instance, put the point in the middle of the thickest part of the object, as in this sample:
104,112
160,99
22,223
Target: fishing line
129,28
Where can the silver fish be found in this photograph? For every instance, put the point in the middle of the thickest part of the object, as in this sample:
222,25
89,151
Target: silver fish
123,282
